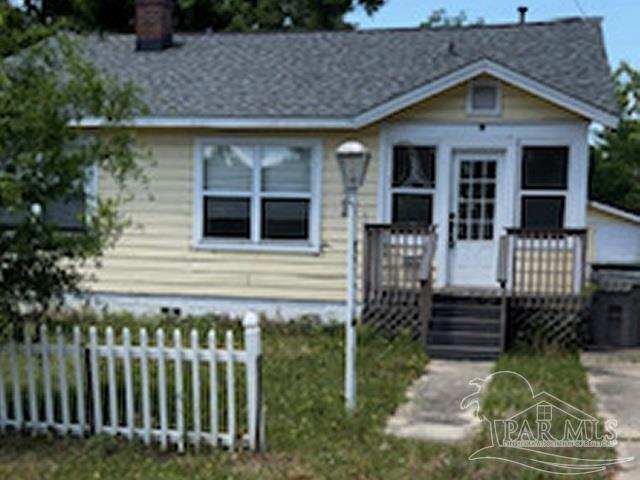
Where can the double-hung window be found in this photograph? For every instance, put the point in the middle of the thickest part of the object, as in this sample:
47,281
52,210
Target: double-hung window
544,187
413,183
258,194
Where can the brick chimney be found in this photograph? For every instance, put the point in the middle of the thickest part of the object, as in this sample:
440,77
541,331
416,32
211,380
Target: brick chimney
153,24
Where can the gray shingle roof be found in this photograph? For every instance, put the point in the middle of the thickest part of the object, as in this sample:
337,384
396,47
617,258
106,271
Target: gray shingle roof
343,74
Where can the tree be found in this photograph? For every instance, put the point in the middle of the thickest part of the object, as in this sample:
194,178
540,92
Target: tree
197,15
19,30
615,159
440,19
45,165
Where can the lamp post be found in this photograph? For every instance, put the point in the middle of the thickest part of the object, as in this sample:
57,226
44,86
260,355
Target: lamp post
353,158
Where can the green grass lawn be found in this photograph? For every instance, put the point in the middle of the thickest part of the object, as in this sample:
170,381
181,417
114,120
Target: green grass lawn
309,435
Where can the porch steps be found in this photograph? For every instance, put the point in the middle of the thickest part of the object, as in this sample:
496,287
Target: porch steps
464,327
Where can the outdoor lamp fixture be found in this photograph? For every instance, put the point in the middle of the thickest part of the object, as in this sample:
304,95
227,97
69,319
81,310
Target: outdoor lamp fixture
353,158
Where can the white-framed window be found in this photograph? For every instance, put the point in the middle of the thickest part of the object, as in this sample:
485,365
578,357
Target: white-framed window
544,186
413,183
257,194
484,97
65,214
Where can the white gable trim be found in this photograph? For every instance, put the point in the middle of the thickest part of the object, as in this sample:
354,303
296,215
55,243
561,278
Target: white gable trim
482,67
613,211
487,67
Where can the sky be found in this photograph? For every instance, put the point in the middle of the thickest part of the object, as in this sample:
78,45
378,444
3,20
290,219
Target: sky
621,17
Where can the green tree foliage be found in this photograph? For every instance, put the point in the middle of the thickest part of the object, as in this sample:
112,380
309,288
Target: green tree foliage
19,30
616,156
440,19
219,15
44,162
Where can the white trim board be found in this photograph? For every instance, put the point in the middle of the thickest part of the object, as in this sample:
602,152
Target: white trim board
481,67
613,211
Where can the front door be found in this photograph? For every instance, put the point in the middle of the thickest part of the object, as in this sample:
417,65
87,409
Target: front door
472,220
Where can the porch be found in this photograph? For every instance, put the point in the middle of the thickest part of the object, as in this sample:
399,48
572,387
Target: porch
536,294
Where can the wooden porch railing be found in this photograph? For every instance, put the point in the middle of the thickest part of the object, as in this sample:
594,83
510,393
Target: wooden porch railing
542,266
397,277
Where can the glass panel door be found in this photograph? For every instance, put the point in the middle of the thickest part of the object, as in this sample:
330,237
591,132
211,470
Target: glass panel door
476,200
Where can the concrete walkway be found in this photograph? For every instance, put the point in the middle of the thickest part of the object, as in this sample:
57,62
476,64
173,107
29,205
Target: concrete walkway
615,379
433,410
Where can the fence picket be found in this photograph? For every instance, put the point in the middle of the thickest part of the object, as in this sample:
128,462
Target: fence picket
128,382
213,389
18,412
162,389
79,379
177,345
195,380
31,380
231,392
144,372
62,379
51,395
46,373
111,375
95,379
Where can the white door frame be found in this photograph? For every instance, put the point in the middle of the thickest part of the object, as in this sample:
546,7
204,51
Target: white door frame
499,221
448,139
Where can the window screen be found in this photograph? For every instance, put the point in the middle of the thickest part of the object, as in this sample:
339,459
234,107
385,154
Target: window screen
284,219
412,208
544,168
227,217
543,212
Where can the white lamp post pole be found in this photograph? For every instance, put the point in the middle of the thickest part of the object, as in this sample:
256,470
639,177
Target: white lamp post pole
353,158
350,327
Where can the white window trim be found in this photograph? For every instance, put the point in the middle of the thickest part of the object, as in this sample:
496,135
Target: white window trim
547,192
200,242
484,83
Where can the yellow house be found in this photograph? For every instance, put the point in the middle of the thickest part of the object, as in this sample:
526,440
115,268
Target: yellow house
471,129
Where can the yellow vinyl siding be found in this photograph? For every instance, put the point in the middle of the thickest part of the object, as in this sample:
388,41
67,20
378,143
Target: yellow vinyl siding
155,254
451,106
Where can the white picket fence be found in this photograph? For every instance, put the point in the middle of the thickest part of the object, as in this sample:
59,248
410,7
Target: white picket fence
172,395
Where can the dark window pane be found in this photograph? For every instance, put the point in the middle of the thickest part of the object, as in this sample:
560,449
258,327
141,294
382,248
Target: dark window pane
414,167
542,212
544,167
227,217
11,219
284,219
412,208
67,215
